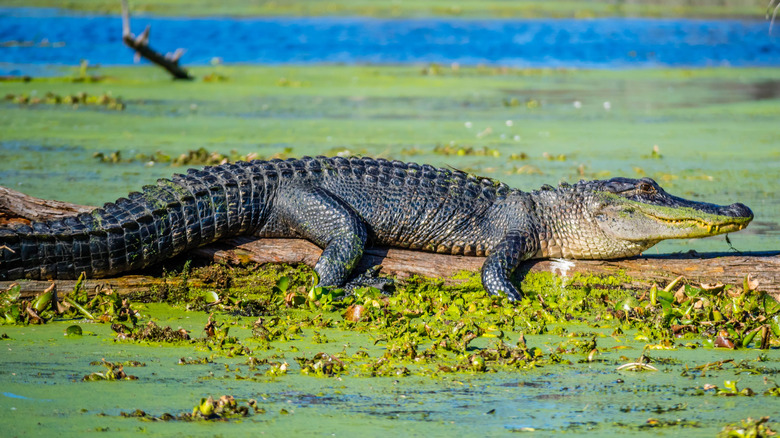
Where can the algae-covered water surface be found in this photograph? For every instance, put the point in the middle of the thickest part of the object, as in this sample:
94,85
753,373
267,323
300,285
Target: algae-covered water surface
254,350
706,134
92,136
430,360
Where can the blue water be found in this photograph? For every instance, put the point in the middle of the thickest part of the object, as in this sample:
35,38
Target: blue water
596,43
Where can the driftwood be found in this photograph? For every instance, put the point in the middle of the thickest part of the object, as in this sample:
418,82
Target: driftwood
140,43
727,268
642,272
16,207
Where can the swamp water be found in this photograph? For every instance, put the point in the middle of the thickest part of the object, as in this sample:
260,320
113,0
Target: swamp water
705,134
568,381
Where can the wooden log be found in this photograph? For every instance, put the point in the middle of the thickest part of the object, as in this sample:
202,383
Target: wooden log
16,207
638,273
642,272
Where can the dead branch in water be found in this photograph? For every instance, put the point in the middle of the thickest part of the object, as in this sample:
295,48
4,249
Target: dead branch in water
140,44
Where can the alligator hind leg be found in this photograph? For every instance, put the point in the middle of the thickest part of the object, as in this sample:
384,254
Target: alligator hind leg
324,219
514,248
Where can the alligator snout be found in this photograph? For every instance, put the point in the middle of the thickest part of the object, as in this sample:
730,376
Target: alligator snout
737,210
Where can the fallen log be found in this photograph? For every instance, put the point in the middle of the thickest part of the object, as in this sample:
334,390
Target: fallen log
635,273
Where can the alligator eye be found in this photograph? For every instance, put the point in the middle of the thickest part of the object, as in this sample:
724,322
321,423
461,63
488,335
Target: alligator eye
646,188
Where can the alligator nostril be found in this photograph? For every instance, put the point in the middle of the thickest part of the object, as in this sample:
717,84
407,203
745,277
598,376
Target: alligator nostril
739,210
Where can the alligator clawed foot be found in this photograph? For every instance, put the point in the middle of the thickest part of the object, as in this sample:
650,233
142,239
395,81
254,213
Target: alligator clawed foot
370,278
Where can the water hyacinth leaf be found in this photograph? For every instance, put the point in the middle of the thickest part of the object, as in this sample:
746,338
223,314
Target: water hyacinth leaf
731,385
44,301
774,325
315,293
748,338
691,292
283,283
654,295
12,295
673,284
73,331
665,297
211,297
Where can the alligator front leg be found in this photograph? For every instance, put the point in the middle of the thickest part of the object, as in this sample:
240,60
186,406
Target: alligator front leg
331,224
516,247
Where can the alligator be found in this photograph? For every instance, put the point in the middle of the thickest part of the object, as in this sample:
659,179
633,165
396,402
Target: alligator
344,204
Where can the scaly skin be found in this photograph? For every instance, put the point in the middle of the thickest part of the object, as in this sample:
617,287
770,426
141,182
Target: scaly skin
343,205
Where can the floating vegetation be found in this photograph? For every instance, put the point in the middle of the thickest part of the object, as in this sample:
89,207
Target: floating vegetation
553,157
217,338
529,103
518,156
321,365
748,428
655,154
150,332
526,169
453,148
195,361
103,306
730,389
115,371
208,409
215,77
451,333
291,83
105,100
195,157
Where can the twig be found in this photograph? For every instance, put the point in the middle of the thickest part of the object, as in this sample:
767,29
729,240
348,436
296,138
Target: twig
140,44
776,7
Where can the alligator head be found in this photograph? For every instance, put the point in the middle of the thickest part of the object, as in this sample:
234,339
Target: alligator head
622,217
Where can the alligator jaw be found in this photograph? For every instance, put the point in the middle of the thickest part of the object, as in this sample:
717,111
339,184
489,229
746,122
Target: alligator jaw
706,228
631,220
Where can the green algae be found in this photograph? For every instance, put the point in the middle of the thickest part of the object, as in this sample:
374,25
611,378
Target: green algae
429,357
432,358
552,363
699,122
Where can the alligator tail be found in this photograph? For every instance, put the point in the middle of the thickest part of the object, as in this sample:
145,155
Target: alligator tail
146,227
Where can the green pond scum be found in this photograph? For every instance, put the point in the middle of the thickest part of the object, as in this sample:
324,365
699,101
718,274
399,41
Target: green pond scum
256,350
265,352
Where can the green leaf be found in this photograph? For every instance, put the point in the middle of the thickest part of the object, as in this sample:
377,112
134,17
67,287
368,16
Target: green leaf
283,283
73,330
210,297
665,297
749,337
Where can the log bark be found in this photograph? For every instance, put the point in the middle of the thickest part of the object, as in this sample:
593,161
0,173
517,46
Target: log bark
16,207
641,272
140,44
636,273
